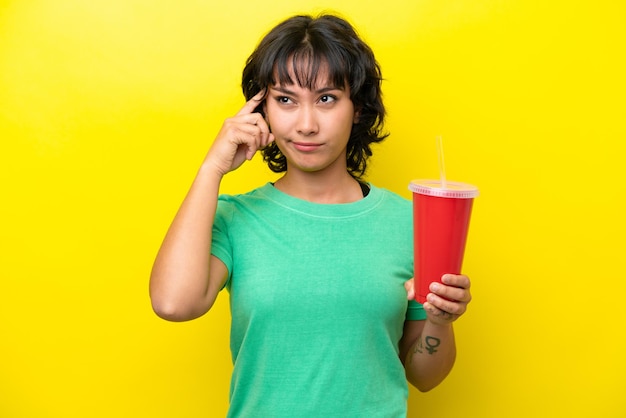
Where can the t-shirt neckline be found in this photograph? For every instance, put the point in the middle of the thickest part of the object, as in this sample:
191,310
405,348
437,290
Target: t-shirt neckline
360,206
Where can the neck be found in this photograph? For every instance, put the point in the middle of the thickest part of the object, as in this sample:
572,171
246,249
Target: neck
318,188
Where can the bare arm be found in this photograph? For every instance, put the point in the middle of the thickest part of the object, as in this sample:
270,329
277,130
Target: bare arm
428,353
185,278
427,348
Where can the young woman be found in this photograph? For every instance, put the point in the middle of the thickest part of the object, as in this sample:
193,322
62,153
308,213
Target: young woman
318,264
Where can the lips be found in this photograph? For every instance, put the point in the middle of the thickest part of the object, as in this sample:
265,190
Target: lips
306,146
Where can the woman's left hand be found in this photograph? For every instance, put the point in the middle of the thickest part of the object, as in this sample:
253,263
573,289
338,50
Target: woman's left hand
447,301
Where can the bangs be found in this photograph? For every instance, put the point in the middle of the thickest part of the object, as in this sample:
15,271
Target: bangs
305,65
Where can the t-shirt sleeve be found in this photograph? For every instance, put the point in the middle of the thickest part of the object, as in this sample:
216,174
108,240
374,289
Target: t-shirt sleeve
415,311
221,246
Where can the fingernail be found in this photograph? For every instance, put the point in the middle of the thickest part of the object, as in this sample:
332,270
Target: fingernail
434,287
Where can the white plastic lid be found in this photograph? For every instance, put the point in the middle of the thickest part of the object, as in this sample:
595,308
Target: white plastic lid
453,189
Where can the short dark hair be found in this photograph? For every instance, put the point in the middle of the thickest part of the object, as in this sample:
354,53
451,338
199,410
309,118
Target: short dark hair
305,43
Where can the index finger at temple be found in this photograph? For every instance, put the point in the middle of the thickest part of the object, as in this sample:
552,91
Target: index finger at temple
252,103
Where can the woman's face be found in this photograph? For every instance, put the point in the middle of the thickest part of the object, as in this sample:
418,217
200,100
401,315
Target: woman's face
311,126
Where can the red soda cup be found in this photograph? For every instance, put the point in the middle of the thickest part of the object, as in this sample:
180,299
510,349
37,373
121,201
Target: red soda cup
441,217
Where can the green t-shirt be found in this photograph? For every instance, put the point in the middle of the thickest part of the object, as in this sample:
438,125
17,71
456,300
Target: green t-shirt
317,303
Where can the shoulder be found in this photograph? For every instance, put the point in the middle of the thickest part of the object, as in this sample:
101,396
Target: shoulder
392,208
390,198
230,206
254,195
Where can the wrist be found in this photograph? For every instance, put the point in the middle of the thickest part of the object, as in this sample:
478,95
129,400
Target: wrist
211,170
438,323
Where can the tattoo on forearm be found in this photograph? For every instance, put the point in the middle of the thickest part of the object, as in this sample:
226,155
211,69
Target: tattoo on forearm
431,345
419,347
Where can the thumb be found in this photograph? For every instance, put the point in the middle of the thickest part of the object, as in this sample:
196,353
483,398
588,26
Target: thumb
409,286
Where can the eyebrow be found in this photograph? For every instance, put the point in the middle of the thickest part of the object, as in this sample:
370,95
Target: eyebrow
318,91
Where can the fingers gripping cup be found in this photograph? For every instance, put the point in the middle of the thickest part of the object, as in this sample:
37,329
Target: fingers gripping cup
441,217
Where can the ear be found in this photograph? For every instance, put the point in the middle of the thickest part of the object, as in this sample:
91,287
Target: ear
357,116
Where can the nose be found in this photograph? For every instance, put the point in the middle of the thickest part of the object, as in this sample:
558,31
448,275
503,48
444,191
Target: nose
307,121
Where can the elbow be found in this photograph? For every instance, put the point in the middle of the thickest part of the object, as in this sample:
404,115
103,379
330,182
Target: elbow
165,310
178,302
423,387
429,380
168,304
172,310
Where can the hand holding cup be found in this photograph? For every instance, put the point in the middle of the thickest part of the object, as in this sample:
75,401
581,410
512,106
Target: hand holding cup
447,299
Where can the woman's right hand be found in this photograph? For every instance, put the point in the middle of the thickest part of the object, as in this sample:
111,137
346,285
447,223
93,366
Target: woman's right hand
240,137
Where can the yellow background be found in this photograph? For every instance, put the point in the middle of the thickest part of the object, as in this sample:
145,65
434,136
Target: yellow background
108,107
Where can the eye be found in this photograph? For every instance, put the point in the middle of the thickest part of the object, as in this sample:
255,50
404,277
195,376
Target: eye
283,99
327,98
